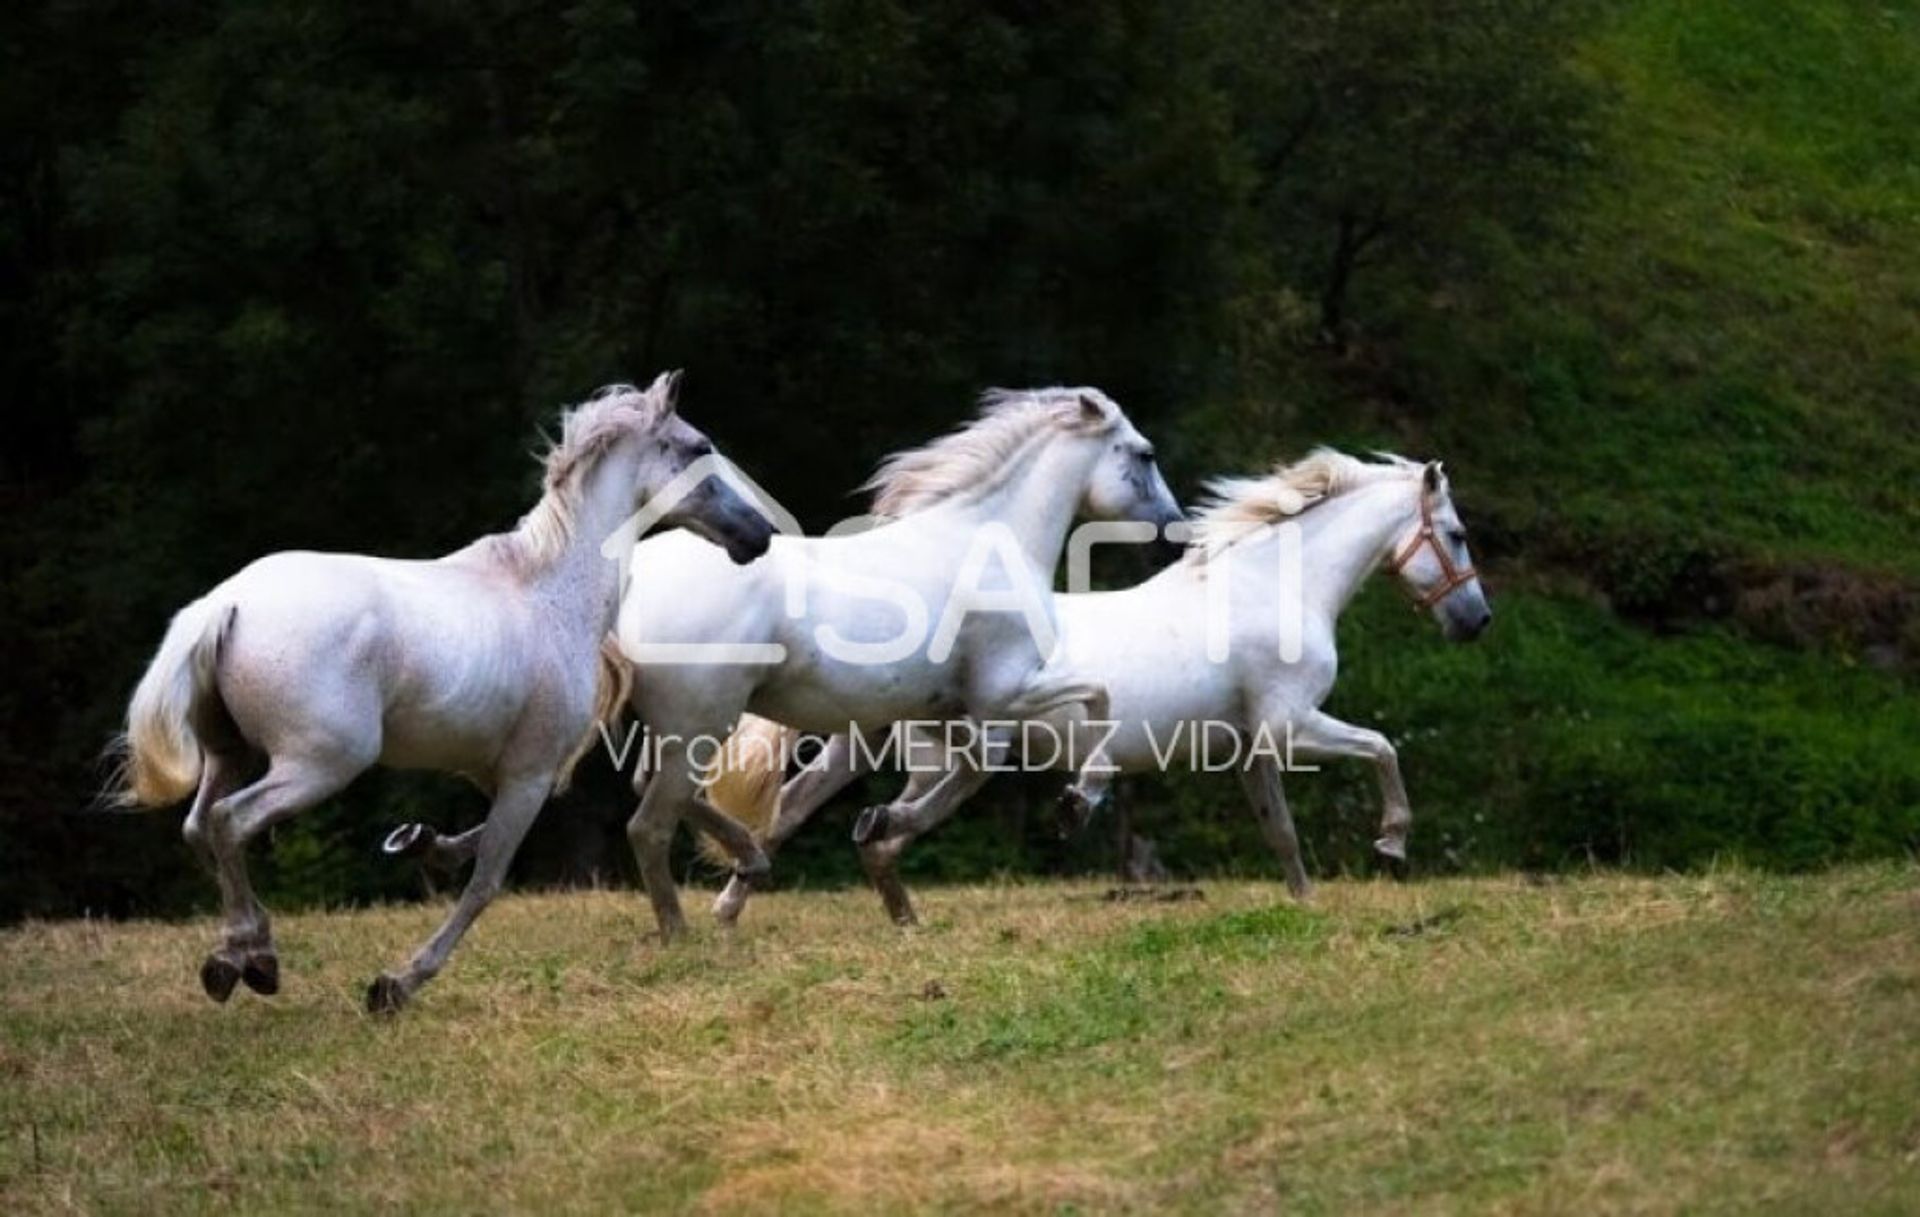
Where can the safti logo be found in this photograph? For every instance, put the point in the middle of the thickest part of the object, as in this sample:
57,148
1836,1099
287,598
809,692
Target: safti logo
619,548
991,576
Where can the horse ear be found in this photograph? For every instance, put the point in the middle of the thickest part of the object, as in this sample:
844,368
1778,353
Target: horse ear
669,386
1091,411
1433,476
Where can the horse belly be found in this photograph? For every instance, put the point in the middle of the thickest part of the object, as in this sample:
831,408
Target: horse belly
458,695
832,696
423,737
1156,706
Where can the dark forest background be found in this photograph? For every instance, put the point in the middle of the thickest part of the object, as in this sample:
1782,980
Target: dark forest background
303,274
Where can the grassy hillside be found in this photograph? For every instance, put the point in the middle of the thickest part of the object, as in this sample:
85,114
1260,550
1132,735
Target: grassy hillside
1724,346
1717,345
1704,1044
1685,429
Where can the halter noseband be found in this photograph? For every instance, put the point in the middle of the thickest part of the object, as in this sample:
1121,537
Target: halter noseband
1451,576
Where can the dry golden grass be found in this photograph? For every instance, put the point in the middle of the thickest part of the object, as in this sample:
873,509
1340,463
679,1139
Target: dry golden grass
1723,1042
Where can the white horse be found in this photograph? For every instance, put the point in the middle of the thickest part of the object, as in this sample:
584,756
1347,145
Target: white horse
276,688
942,611
1149,645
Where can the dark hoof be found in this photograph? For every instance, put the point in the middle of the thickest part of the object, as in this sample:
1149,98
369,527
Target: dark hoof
871,826
218,976
262,973
1074,811
408,841
1393,856
385,996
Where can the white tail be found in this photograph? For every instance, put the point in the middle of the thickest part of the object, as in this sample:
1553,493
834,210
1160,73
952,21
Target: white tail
162,753
746,782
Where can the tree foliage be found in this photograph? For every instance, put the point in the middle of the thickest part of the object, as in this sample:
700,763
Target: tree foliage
300,273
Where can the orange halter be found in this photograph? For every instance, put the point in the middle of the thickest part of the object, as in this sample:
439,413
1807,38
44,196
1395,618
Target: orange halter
1451,576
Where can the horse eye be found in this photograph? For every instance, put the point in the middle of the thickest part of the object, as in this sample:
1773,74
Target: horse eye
1458,536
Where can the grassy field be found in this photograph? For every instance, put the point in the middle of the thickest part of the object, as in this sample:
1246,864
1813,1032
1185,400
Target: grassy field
1717,1043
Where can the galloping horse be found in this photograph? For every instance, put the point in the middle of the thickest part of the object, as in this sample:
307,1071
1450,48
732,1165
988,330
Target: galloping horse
907,620
279,686
1150,646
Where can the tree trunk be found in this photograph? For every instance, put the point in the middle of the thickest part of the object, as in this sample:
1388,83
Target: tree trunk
1355,236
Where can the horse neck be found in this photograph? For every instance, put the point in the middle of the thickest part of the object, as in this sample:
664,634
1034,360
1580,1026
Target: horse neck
1037,494
1346,538
580,584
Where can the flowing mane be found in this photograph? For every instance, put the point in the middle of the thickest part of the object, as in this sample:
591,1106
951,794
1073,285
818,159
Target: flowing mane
587,433
964,460
1236,508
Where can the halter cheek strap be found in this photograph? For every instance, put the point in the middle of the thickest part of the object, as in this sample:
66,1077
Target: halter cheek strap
1451,576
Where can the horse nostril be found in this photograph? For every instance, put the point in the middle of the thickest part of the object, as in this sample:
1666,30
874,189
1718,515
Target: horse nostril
1486,619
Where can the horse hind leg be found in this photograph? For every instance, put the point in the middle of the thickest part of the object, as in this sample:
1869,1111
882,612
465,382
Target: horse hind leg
220,828
221,774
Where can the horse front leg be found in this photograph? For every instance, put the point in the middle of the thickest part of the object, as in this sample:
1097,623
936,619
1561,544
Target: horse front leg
801,796
664,796
883,833
515,806
1261,779
425,842
1085,707
1320,734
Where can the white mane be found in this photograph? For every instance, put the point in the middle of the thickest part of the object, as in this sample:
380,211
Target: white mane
965,460
1237,508
587,433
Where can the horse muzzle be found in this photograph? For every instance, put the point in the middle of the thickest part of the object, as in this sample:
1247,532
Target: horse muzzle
744,547
717,514
1469,625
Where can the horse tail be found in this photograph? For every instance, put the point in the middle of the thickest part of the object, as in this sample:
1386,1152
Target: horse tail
745,781
613,684
160,751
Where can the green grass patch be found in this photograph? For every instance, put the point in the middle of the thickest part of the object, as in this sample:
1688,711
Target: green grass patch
1718,1042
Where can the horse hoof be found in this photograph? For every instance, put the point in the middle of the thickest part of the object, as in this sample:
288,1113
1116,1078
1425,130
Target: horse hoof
218,976
1074,812
1394,855
407,841
670,931
385,995
871,826
262,973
